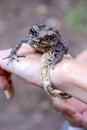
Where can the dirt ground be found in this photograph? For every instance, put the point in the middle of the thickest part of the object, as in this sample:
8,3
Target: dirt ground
31,108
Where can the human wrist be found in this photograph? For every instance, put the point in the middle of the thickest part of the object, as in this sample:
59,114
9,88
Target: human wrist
69,77
59,75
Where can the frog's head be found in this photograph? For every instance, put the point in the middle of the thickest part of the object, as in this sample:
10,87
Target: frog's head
43,34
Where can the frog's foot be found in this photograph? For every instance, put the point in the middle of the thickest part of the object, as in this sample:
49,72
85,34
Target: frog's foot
12,57
51,62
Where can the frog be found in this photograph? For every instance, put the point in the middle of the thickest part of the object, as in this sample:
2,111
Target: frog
43,39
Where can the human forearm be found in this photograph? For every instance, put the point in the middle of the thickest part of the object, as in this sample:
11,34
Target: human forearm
70,76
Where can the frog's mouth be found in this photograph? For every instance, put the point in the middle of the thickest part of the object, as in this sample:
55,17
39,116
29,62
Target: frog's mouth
39,41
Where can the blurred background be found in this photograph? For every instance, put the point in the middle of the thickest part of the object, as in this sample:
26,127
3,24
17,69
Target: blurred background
31,108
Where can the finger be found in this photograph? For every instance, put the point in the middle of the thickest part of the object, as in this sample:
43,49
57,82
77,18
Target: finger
76,103
84,118
1,72
76,125
77,119
4,84
9,93
5,79
63,107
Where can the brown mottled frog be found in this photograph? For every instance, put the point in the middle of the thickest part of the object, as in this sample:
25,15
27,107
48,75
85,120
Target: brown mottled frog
42,38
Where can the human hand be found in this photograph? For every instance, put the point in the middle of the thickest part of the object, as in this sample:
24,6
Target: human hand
72,109
27,68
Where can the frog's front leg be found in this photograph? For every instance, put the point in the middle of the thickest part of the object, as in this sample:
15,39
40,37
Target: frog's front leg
13,54
56,57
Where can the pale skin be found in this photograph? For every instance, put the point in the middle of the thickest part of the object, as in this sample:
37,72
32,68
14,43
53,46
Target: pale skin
68,75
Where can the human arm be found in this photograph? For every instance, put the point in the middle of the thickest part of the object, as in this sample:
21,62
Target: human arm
28,68
72,109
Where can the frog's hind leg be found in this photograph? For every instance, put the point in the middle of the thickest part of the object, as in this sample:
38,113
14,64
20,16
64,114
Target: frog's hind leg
13,54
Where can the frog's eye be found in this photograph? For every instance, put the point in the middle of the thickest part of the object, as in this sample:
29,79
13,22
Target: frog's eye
50,33
33,30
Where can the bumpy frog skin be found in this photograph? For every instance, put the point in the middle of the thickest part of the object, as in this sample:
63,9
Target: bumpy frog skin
48,41
42,38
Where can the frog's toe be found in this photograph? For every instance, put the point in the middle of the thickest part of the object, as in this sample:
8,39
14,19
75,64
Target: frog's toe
13,57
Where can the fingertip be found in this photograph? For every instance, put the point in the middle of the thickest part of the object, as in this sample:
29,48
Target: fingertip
4,84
